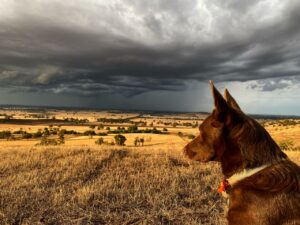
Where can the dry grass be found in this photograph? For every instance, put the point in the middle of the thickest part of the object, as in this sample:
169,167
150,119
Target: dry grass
81,183
284,133
107,185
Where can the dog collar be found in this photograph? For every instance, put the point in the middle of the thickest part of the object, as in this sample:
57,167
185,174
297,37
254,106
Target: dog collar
227,184
224,188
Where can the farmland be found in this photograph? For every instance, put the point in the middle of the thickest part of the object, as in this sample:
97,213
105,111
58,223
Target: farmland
77,181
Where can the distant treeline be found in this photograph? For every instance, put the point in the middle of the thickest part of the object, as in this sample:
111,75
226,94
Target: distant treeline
287,122
43,121
175,124
61,132
135,129
112,120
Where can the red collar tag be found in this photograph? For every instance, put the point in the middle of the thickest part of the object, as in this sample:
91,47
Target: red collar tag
224,186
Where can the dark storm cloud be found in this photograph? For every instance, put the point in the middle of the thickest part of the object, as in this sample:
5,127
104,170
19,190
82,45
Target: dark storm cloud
131,47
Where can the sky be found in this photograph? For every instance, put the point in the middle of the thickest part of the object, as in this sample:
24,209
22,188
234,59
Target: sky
151,55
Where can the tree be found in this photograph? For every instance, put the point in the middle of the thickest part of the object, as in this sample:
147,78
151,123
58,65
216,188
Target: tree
142,141
120,139
89,133
61,138
100,127
99,141
62,132
46,131
136,141
132,129
5,134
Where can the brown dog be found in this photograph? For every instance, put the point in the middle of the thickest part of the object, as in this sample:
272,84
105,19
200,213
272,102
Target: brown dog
262,184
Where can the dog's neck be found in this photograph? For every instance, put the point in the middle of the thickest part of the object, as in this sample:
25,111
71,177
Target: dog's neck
231,160
233,163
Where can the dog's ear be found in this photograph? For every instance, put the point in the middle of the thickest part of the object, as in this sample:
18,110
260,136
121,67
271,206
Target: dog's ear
221,107
231,101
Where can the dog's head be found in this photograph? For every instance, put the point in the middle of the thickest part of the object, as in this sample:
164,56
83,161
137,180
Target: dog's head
232,138
210,144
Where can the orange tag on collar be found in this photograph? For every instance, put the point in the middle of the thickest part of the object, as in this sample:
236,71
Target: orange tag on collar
224,186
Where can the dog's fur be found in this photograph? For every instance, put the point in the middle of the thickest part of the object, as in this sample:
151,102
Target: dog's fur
268,197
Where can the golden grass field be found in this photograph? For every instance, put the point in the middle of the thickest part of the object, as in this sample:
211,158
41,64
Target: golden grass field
83,183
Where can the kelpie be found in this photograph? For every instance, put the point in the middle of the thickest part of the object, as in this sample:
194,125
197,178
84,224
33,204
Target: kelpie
261,183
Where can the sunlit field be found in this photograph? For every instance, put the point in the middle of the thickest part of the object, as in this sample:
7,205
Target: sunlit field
80,182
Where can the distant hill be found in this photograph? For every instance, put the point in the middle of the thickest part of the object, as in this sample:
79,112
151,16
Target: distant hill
198,115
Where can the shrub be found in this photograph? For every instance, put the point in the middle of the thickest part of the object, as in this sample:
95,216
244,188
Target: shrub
46,141
191,136
19,132
120,139
286,145
27,135
38,134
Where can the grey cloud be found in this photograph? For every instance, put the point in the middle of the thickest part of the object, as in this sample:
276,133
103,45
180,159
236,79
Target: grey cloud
132,47
269,85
